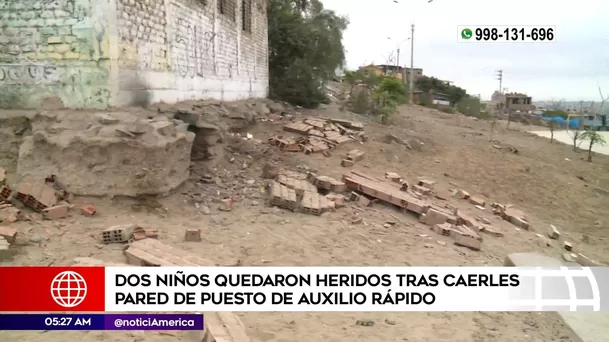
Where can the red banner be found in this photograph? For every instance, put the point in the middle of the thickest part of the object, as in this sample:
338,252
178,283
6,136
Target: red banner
36,288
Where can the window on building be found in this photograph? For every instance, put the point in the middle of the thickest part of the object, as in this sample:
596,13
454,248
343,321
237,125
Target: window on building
227,7
246,15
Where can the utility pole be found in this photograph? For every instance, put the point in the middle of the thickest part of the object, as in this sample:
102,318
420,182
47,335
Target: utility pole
397,62
411,85
500,78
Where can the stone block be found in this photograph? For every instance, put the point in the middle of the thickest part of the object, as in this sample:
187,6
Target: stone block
433,217
426,183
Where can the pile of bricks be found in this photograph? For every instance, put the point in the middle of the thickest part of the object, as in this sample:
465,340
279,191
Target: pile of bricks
318,135
359,182
298,192
512,215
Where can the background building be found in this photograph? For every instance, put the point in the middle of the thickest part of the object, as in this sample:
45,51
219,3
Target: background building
96,54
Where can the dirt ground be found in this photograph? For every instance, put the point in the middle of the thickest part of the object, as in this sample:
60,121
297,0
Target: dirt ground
550,182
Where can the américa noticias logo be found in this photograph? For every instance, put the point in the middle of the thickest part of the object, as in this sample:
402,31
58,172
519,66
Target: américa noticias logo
68,289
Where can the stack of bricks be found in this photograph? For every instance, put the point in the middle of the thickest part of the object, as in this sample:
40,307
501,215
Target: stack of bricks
319,135
326,183
358,182
283,197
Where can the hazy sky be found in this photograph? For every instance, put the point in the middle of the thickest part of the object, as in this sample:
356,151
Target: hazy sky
569,69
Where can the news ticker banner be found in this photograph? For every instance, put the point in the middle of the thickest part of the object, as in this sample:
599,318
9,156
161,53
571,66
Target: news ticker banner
303,289
101,322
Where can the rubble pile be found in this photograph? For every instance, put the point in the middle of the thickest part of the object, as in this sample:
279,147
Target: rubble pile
114,154
318,135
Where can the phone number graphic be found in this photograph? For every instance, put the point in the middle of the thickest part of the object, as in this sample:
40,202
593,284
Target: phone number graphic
507,34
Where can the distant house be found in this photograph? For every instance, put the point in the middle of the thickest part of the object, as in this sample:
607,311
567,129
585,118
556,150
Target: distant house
393,70
512,102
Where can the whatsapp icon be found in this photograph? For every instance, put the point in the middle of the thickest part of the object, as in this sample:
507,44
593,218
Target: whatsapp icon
466,34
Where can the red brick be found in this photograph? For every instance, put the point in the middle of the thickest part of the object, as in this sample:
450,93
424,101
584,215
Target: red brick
421,189
477,200
88,210
347,163
193,235
468,242
429,184
433,217
9,234
363,201
55,213
462,194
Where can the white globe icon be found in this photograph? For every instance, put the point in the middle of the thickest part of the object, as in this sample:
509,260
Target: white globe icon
68,289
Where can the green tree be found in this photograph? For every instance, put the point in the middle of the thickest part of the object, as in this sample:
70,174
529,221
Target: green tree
305,49
594,138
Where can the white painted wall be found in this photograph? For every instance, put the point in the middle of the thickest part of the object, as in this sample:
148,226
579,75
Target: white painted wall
566,138
176,50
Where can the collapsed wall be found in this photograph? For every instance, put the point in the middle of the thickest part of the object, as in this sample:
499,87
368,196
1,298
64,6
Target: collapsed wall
115,154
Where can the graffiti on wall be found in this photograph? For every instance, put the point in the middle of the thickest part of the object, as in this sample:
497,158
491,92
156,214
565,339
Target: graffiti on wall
27,74
197,51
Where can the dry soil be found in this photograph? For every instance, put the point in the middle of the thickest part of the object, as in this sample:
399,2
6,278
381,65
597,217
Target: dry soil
548,181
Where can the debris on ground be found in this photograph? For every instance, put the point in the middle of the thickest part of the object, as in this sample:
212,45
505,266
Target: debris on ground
318,135
2,176
5,251
192,235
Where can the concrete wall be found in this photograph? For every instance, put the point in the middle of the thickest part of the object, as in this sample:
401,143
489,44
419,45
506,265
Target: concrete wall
97,54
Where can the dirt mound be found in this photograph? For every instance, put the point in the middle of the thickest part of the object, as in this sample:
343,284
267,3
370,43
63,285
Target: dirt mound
108,153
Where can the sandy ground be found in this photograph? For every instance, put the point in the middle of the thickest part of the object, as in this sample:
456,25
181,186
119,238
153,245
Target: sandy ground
451,149
566,137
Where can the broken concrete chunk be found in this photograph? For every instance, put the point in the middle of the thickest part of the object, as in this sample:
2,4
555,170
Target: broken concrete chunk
443,229
56,212
554,233
9,234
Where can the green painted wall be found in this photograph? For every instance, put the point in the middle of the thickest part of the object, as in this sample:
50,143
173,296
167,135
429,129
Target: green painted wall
53,49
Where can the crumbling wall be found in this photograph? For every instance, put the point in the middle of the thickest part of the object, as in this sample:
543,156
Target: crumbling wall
108,153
